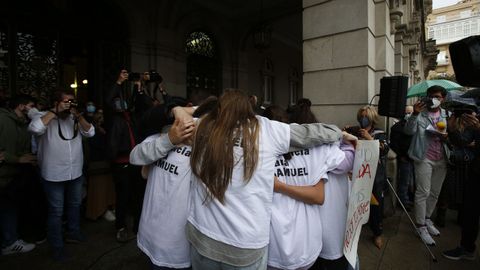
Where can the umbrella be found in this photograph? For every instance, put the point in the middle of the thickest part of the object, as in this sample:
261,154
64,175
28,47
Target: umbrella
472,93
420,89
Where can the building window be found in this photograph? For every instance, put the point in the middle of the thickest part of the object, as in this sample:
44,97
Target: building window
267,81
293,81
466,29
4,74
431,33
201,44
203,75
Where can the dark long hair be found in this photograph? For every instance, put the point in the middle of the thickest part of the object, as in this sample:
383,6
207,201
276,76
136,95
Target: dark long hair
301,112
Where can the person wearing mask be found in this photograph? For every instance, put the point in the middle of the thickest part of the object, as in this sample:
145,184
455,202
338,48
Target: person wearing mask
400,143
233,158
428,125
15,146
368,120
60,158
90,110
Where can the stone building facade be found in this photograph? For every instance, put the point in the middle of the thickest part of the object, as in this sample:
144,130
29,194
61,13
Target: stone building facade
333,52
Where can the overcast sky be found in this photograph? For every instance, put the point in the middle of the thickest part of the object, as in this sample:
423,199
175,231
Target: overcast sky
443,3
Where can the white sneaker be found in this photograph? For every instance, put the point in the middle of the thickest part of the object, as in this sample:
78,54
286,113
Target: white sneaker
109,216
426,237
431,228
18,246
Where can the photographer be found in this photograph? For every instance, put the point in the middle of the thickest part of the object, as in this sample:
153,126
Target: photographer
465,134
60,157
428,149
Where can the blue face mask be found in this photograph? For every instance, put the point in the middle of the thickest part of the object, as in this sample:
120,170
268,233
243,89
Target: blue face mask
91,108
364,122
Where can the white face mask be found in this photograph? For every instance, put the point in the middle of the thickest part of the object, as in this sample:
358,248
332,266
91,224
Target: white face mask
407,115
32,112
436,102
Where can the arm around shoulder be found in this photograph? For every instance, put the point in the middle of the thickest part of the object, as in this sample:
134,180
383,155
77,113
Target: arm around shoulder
150,151
37,126
310,135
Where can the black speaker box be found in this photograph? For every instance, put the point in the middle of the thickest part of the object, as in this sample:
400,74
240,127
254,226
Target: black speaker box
393,96
465,56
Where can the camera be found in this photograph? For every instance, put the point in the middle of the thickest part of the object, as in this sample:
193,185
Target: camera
427,101
73,103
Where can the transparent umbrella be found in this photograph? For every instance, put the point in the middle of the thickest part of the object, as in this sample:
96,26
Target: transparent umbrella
420,89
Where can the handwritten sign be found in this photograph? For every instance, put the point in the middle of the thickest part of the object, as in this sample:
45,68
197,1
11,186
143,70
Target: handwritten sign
363,176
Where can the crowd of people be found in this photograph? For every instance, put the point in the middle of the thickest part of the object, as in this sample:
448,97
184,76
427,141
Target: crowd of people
222,184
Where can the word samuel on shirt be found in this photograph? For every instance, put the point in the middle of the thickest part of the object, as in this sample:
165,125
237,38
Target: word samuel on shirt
284,164
169,167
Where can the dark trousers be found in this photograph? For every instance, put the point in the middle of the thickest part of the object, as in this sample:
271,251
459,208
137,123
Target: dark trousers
33,208
8,214
375,220
471,210
323,264
129,189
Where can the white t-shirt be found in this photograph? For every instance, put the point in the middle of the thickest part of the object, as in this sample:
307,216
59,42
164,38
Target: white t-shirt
161,233
244,220
295,230
333,214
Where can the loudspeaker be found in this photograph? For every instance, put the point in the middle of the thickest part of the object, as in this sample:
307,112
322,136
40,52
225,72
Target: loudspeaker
465,56
393,96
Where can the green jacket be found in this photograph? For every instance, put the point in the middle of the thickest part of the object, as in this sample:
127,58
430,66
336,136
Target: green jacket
14,141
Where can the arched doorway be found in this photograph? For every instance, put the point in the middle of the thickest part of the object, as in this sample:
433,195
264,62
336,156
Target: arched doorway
203,73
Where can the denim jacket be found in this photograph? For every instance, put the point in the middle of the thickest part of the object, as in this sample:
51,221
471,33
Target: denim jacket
416,126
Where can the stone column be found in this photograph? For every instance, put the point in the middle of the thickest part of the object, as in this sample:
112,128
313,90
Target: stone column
347,47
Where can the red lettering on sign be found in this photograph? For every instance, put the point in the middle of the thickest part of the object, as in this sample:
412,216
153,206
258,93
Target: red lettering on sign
364,170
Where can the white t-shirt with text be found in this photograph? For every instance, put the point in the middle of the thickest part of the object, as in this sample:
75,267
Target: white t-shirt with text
161,234
243,220
296,230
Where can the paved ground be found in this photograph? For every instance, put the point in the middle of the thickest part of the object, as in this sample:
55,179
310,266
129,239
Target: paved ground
402,250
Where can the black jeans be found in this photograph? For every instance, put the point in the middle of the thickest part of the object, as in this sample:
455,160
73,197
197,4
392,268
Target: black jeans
471,210
375,220
323,264
129,189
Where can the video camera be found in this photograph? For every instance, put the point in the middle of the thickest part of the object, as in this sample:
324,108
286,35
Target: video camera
151,76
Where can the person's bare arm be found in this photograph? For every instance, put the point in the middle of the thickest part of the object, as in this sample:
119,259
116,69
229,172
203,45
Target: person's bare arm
308,194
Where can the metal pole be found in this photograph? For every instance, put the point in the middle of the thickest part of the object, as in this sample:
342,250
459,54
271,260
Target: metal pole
413,224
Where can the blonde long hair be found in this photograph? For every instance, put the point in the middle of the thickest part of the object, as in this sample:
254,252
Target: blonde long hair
231,121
